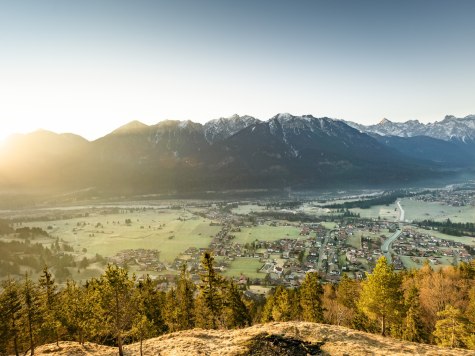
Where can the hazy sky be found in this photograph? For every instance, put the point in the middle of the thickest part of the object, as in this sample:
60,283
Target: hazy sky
90,66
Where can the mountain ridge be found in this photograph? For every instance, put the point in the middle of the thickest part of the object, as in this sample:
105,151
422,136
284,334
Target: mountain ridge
239,152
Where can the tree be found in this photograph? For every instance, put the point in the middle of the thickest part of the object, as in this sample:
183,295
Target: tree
143,327
32,310
452,328
185,291
79,310
236,312
381,295
116,295
347,294
10,302
285,306
210,299
151,303
311,293
412,324
49,305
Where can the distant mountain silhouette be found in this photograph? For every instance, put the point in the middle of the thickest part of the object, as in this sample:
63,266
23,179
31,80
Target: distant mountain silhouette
234,153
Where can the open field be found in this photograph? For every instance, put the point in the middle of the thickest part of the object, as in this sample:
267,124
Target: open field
355,239
169,231
330,225
247,266
410,262
385,212
248,208
265,233
312,209
420,210
463,239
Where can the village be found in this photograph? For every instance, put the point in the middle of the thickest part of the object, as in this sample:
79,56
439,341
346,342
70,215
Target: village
346,246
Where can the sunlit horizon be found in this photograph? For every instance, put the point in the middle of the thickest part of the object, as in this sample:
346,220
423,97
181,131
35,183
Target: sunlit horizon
89,67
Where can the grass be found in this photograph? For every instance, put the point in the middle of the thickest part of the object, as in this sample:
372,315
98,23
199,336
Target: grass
330,225
265,233
247,209
244,265
410,264
462,239
420,210
150,229
385,212
355,239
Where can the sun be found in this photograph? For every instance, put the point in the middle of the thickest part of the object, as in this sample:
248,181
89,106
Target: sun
8,129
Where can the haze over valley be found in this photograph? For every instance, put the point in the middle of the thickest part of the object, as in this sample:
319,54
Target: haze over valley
237,177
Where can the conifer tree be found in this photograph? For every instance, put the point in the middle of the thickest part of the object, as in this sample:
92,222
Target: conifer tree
347,293
185,291
236,313
49,304
267,310
412,324
31,311
210,299
11,305
79,311
311,293
116,295
452,328
285,305
151,303
171,311
381,295
142,326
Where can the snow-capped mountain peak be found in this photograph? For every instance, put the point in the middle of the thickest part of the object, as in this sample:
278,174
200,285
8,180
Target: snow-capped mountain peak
222,128
450,128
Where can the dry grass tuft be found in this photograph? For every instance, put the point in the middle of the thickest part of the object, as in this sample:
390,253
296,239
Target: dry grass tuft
331,339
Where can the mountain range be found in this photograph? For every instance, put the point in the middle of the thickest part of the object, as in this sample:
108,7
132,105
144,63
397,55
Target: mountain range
240,152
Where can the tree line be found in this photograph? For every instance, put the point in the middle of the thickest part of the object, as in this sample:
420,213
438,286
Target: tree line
448,227
117,308
384,199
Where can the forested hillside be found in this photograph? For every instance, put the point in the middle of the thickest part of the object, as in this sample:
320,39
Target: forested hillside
427,306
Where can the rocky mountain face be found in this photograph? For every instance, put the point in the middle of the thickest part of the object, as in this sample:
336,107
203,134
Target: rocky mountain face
449,129
237,152
448,142
223,128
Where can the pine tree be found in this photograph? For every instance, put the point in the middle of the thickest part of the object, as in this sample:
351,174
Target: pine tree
49,303
152,302
452,328
116,292
311,293
142,326
31,310
185,291
412,324
171,311
210,299
11,306
381,295
236,313
347,294
78,310
267,310
285,305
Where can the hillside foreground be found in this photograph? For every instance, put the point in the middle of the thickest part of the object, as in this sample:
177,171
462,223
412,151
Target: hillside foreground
283,338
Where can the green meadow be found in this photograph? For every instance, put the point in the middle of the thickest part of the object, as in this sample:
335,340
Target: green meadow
169,231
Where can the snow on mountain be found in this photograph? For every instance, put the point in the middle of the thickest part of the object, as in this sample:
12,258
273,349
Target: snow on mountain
450,128
222,128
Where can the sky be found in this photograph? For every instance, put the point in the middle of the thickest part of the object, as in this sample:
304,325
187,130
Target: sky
90,66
